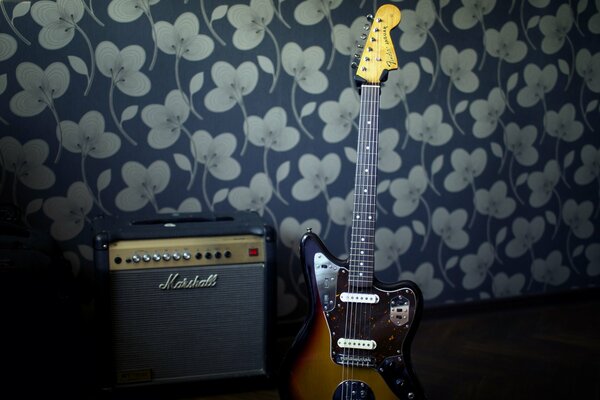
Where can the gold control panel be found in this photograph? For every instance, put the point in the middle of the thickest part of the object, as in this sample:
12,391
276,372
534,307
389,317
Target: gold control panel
182,252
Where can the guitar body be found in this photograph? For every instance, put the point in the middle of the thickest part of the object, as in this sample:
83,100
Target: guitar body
318,368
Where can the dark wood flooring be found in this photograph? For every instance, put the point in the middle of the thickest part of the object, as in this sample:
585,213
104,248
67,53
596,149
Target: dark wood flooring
529,348
543,348
546,347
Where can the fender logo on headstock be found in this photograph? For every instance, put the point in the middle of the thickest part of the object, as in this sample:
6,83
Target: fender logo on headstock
379,55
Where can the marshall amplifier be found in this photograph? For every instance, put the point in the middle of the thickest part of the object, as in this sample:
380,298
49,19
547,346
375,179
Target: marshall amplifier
186,298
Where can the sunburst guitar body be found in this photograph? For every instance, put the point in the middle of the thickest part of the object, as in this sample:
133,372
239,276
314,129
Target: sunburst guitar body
355,343
352,349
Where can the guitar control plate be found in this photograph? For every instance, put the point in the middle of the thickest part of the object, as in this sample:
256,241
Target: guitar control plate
326,273
399,310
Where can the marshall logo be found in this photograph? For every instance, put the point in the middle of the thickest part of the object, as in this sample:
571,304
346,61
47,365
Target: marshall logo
175,282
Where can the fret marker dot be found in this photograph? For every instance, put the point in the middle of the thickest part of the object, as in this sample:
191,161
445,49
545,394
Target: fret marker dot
362,239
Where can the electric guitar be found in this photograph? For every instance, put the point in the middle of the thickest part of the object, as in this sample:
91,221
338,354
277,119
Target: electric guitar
355,342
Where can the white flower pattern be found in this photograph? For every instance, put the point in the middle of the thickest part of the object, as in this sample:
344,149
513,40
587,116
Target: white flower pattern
487,143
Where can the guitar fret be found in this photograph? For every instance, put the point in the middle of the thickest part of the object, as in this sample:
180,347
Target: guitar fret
360,279
360,266
362,235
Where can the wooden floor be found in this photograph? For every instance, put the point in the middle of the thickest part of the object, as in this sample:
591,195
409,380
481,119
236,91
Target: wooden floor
541,348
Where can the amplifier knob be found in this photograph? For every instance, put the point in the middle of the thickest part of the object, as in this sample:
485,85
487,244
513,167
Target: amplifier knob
135,258
166,256
146,257
186,255
176,256
156,257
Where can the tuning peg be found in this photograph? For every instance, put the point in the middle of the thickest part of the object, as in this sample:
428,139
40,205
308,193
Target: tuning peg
354,65
363,36
369,17
367,27
360,46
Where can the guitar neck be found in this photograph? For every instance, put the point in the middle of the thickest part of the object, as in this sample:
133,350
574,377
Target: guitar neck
362,246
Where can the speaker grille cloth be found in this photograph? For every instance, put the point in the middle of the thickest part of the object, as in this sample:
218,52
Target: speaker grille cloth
189,333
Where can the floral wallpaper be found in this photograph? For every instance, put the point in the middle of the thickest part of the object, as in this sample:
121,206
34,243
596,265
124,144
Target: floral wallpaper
489,163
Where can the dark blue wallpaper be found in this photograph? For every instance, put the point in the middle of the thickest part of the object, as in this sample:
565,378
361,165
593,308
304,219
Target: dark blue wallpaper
489,170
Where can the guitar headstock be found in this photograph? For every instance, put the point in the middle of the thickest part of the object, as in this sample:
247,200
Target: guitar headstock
378,55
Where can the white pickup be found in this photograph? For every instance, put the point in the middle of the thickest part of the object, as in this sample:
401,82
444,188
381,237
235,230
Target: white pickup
357,344
365,298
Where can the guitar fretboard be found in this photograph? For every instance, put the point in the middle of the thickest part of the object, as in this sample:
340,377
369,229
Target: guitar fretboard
362,245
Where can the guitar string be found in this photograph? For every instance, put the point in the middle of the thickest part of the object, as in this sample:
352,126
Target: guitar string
363,245
363,226
373,180
368,207
348,353
374,138
370,203
359,315
374,166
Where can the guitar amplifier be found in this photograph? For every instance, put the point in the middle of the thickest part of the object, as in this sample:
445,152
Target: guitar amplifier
184,298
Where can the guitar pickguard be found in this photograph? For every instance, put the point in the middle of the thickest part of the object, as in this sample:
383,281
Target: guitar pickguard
380,328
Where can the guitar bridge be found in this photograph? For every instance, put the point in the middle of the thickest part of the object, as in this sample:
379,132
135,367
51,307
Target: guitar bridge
355,361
